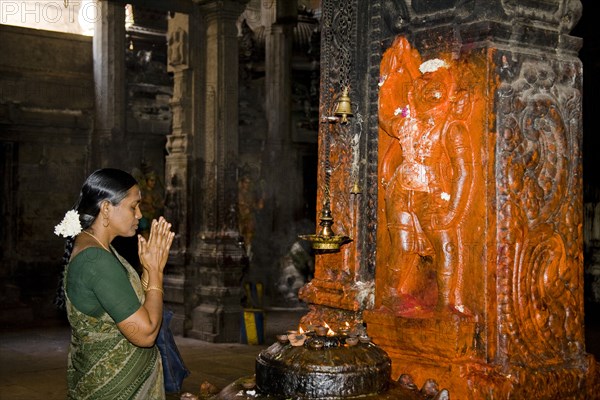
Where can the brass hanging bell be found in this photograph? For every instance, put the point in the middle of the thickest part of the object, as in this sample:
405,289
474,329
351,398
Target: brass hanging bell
343,108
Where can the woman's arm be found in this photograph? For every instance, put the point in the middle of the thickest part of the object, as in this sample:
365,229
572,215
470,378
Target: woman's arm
142,327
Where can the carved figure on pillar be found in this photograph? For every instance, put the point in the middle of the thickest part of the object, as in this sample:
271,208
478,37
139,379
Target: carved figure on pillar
177,47
152,204
249,202
427,176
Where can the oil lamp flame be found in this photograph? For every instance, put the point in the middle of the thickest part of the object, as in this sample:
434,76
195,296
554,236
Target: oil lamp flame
330,332
345,329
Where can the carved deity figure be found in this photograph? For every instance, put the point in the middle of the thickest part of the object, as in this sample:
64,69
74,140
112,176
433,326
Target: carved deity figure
152,204
427,175
177,52
249,202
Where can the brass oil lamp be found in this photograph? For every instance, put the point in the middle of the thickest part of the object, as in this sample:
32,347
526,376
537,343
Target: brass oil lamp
325,240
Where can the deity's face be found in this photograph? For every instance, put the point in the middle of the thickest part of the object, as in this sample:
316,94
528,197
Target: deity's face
431,91
245,183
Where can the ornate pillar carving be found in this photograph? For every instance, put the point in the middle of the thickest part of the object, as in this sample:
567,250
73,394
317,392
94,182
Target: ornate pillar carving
216,254
471,191
178,167
109,83
342,287
183,62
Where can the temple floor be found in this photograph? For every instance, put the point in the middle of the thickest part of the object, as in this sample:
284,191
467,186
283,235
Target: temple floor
33,359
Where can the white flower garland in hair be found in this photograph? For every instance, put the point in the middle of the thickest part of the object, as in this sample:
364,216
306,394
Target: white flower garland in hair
70,226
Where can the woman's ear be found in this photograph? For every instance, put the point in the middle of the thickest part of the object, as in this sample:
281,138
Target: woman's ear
104,211
105,208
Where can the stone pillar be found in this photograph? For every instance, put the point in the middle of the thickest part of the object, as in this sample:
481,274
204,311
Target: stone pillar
279,20
216,257
109,82
473,176
342,286
183,62
278,171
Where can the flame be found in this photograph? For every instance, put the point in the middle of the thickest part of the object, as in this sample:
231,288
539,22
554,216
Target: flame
300,330
330,332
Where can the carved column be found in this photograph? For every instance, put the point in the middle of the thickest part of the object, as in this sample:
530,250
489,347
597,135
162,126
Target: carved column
109,83
279,19
479,244
183,63
342,286
471,192
216,253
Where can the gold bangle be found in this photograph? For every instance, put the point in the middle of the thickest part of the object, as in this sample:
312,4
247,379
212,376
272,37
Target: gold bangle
155,288
144,284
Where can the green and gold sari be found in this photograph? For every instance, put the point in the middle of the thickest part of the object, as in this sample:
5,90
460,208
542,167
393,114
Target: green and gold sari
103,364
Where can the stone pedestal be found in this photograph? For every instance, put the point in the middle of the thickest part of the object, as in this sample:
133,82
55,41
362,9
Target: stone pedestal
213,280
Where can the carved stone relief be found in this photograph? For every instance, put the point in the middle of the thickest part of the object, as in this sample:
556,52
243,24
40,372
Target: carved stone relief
429,179
178,47
540,223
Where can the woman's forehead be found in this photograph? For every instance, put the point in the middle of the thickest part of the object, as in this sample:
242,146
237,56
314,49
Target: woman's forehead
134,193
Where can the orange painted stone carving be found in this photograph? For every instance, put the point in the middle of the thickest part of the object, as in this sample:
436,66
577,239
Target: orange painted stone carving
479,230
430,210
